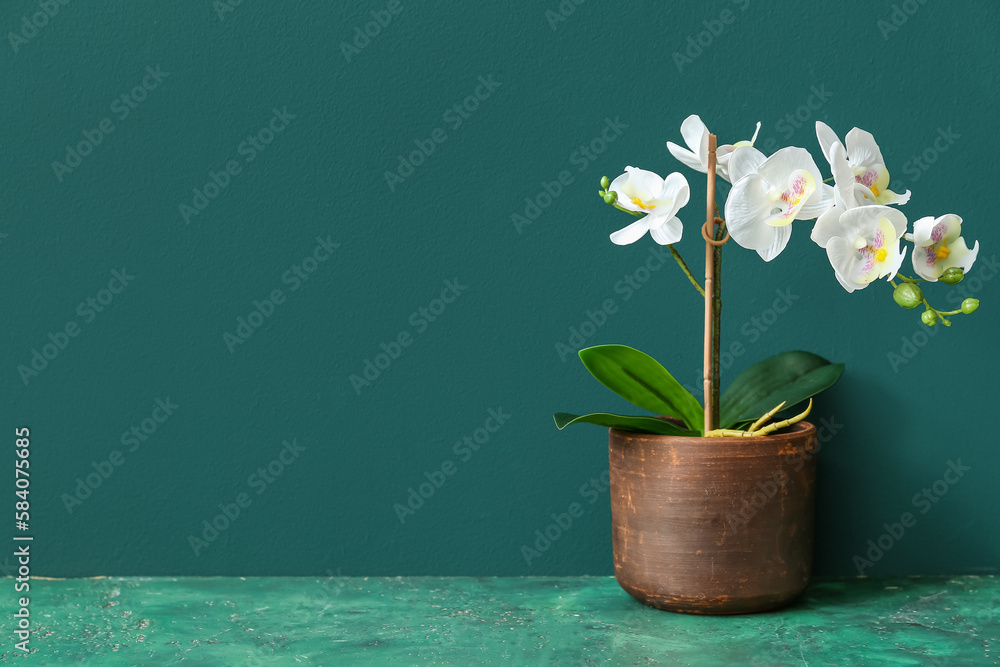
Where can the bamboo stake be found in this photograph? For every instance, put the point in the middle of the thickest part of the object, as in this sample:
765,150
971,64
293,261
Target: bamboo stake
708,233
713,294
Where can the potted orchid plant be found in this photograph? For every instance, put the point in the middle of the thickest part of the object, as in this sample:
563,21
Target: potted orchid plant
712,501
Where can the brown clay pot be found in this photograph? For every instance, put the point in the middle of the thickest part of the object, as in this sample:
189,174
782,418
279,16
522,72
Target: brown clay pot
713,525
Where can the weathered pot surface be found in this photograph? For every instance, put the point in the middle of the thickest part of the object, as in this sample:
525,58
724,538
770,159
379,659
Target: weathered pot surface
713,525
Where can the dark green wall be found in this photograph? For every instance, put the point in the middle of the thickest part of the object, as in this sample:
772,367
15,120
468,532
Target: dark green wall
514,293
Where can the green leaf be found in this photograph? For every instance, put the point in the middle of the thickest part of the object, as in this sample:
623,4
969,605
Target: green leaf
642,381
622,423
791,377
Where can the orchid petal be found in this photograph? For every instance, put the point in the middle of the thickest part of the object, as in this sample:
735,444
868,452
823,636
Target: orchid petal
841,254
827,226
686,157
676,187
648,184
632,233
695,134
744,160
669,231
748,204
792,158
827,139
849,190
821,201
887,197
781,236
896,263
930,230
862,149
961,256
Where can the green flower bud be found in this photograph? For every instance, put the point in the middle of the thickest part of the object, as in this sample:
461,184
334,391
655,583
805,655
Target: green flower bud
929,317
953,275
908,295
605,182
970,305
610,198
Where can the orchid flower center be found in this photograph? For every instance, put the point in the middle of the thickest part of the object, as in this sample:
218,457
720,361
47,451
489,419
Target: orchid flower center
799,187
940,249
790,199
879,253
638,202
867,177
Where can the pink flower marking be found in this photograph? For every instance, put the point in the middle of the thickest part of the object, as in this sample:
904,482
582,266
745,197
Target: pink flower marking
867,178
938,232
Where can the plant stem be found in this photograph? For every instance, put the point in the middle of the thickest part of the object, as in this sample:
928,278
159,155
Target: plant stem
717,323
686,270
673,251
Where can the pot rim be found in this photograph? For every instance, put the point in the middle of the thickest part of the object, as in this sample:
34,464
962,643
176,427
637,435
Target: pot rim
802,429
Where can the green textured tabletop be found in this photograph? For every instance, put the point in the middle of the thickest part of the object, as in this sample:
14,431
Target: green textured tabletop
467,621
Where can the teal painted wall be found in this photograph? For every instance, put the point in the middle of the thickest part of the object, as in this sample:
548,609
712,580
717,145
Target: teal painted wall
305,228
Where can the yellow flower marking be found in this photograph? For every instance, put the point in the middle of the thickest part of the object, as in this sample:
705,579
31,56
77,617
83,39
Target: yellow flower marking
942,252
638,202
881,254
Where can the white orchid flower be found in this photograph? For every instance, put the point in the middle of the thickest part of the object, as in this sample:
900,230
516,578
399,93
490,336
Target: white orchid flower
643,191
938,245
862,243
695,135
859,169
769,193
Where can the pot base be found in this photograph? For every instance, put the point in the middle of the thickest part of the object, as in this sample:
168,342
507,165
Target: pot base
713,525
720,606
